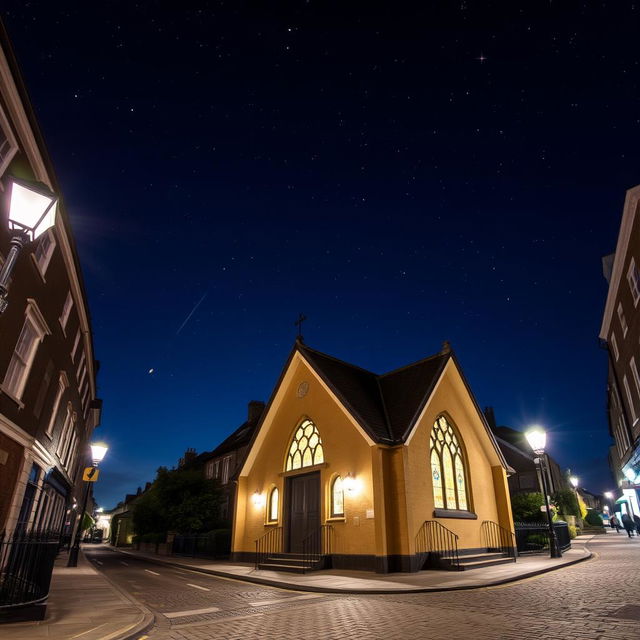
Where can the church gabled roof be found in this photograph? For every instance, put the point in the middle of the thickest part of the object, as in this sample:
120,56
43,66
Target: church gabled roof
387,405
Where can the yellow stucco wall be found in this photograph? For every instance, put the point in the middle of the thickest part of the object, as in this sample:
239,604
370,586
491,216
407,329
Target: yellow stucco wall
345,451
393,483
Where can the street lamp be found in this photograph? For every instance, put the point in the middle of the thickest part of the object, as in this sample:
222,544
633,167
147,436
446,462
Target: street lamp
574,481
32,210
98,452
537,439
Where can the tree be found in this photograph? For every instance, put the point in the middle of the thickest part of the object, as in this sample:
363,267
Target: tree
567,502
526,507
181,500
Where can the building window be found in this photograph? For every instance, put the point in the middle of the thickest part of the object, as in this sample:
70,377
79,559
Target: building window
63,383
44,251
627,390
273,505
634,372
337,498
623,320
447,467
64,432
208,471
28,499
8,144
66,310
614,346
633,278
81,366
225,470
76,342
33,331
216,469
306,448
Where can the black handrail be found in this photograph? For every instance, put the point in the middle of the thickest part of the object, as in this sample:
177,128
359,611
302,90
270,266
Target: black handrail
316,545
497,537
439,542
268,544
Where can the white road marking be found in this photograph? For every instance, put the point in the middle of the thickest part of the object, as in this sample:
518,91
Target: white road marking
195,586
126,564
154,573
78,635
193,612
264,603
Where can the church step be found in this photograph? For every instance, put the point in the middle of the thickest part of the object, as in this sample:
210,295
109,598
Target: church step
478,560
290,568
486,563
287,556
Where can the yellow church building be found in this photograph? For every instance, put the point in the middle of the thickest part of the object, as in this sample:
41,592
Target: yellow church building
353,470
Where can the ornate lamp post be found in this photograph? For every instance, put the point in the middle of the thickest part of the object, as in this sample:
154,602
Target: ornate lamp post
98,452
32,210
537,439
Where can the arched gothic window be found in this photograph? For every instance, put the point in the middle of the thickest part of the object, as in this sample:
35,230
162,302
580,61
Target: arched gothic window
337,498
306,447
447,467
273,505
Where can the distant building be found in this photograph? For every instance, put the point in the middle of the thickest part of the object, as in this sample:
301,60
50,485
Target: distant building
48,403
620,333
520,458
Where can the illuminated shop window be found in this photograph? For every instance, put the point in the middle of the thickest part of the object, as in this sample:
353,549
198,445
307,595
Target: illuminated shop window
447,467
306,448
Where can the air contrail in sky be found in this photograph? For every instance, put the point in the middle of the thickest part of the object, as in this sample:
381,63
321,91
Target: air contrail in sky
191,313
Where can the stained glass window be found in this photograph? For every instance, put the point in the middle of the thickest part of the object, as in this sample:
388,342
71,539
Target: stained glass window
306,447
447,467
273,505
337,498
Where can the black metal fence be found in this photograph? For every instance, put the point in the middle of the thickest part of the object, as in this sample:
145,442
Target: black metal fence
215,544
26,565
533,537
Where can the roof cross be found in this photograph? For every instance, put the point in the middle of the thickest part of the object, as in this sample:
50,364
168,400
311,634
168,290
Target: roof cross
298,323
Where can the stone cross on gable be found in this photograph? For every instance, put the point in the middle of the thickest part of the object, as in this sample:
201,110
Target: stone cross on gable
298,323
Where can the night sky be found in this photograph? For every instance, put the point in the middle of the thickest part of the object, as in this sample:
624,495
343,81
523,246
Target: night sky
402,175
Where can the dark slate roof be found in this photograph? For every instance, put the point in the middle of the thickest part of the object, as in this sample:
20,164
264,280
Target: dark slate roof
240,437
386,406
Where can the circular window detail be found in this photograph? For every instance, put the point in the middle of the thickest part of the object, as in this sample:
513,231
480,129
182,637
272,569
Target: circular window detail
303,389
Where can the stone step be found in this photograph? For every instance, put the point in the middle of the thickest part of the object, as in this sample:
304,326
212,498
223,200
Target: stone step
290,568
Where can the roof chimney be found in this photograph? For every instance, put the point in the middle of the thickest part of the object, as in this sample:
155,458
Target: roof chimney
255,410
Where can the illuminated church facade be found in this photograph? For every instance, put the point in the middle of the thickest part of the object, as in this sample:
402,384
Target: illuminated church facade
353,470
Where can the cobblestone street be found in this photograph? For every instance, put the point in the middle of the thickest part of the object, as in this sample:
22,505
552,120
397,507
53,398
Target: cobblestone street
599,598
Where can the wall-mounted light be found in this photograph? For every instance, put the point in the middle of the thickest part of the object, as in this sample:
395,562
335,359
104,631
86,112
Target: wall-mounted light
258,499
350,484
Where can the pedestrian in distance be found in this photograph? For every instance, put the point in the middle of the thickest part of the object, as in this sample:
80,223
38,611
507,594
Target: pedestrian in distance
628,524
614,523
636,519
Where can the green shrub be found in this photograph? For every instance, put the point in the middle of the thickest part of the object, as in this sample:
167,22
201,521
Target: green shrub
566,501
573,531
593,518
526,507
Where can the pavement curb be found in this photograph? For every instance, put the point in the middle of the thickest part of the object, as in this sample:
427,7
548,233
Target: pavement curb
132,632
313,589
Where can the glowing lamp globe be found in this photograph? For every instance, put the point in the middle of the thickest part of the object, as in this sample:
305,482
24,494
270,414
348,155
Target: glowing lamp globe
537,439
98,452
32,208
608,495
574,481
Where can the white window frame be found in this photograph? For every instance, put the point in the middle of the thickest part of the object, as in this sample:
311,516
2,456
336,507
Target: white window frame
76,342
634,373
614,344
623,320
63,383
41,257
632,406
61,446
633,278
81,364
66,311
34,317
216,469
11,140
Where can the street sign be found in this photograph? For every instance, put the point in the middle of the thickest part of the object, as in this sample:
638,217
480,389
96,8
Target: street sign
90,474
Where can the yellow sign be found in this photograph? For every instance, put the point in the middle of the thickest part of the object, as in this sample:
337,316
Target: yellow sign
90,474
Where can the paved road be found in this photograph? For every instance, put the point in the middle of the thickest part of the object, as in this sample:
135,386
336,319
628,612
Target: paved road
596,599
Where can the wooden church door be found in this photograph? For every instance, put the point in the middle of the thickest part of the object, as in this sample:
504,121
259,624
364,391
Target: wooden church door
304,509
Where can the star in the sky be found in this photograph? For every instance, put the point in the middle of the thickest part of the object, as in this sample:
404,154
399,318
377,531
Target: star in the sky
481,57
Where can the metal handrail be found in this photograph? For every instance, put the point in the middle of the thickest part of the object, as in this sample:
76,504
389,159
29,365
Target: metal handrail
316,545
269,543
498,537
439,542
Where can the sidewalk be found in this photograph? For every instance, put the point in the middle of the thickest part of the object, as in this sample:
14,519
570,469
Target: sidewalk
83,605
335,581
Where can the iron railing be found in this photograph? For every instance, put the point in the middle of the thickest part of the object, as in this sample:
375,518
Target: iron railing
497,538
268,544
533,537
316,545
26,565
215,544
438,544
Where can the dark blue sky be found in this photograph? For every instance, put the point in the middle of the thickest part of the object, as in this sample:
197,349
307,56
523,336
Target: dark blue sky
402,175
